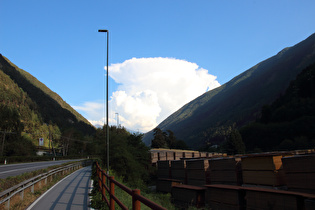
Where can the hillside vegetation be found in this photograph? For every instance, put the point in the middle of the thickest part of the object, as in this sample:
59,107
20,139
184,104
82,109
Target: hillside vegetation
40,113
289,122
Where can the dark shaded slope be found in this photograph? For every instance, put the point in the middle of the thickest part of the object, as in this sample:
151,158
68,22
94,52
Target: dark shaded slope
49,104
241,99
289,122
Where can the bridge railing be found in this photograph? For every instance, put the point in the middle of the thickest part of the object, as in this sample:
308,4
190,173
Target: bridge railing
16,192
109,189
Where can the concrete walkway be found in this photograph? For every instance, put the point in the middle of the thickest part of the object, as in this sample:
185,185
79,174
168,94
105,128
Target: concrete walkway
70,193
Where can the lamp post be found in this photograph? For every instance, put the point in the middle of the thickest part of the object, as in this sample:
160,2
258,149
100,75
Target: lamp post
107,126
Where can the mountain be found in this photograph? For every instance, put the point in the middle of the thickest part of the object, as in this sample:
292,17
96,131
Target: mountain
240,100
289,122
39,109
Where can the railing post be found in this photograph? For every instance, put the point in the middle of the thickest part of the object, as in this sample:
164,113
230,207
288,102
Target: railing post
136,204
112,193
99,175
103,186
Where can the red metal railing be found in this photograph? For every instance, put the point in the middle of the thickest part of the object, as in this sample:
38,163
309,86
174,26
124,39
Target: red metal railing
137,199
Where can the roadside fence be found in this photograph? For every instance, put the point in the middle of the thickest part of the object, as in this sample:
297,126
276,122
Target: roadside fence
137,199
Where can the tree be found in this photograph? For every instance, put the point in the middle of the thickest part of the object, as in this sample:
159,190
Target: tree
10,119
171,139
140,153
166,140
234,144
159,140
128,155
9,123
180,144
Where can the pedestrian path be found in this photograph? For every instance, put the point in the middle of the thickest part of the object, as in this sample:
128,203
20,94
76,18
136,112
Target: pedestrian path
70,193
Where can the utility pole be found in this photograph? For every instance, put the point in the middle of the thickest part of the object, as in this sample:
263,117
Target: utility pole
50,142
49,139
117,119
107,125
3,143
52,145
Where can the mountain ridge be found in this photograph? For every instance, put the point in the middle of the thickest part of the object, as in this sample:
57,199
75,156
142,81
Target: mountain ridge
49,106
213,109
46,90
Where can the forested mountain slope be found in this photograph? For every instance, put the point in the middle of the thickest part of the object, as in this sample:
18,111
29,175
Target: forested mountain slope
239,101
39,109
289,122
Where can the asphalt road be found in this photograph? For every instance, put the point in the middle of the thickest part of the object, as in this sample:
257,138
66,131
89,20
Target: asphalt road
17,169
70,193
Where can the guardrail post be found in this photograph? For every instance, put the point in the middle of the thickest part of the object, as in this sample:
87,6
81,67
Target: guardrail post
136,204
112,193
32,188
103,185
8,204
22,193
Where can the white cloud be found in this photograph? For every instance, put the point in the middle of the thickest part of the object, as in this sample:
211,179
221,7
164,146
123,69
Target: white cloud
138,110
165,85
93,111
151,89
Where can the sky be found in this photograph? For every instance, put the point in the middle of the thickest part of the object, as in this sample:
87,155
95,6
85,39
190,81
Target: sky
162,53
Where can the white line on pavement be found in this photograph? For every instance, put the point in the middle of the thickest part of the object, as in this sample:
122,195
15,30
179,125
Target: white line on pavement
38,199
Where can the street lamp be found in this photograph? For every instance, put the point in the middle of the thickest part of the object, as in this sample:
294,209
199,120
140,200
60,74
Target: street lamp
107,126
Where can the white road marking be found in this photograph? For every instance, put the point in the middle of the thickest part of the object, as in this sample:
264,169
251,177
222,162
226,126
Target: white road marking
38,199
18,170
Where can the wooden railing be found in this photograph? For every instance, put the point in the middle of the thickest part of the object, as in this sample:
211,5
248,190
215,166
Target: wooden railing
137,199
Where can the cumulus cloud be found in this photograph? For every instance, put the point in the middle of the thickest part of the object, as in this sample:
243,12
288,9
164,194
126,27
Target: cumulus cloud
154,88
138,110
151,89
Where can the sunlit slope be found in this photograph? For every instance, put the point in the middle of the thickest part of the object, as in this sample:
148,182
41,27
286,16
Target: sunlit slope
40,100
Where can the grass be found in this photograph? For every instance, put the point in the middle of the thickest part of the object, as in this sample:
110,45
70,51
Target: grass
29,197
161,199
12,181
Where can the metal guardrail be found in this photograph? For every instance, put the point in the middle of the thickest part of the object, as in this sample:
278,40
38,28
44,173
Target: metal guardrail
18,190
137,199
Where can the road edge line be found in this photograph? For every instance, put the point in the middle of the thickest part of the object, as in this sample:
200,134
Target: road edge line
90,197
36,201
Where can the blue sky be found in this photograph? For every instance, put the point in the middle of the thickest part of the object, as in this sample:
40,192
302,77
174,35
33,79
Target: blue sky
162,53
